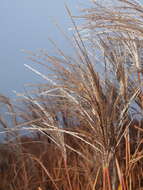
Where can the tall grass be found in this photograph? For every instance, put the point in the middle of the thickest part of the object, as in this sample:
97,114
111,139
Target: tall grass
87,120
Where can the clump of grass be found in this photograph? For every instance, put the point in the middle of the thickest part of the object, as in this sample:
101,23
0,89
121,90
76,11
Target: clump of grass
89,114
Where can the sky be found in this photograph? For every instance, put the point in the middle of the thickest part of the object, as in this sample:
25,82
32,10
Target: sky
28,24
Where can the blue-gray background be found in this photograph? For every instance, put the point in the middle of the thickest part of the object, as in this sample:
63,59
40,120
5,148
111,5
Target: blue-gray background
27,24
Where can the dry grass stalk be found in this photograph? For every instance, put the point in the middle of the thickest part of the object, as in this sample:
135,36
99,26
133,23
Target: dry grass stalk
89,114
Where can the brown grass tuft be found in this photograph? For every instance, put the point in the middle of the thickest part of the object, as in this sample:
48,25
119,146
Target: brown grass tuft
87,120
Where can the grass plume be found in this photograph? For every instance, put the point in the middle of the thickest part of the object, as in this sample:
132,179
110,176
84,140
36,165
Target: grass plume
87,120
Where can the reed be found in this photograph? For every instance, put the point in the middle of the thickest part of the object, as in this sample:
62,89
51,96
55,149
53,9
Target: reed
86,121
